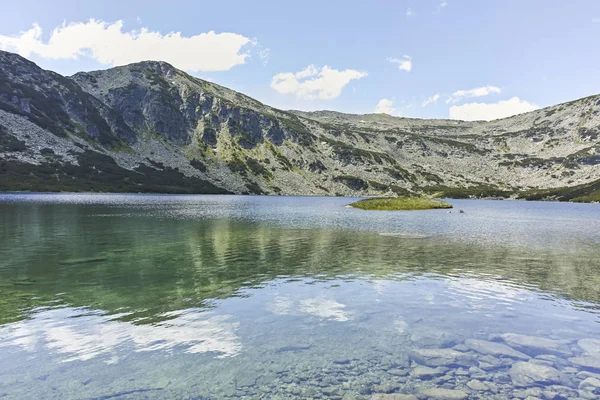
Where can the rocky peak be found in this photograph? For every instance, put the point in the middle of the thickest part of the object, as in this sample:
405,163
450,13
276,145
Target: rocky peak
56,103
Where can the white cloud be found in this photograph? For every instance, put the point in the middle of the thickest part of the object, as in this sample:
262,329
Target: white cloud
476,92
409,12
404,63
491,111
443,3
264,55
314,83
109,44
385,106
431,100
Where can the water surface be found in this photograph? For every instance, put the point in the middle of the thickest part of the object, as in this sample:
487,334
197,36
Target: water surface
209,297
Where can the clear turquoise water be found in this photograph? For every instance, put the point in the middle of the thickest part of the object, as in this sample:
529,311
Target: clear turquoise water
138,296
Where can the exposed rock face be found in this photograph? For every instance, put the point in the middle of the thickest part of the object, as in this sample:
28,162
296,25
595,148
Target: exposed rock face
152,119
56,103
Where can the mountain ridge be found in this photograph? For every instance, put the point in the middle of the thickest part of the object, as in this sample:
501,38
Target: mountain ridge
592,96
148,126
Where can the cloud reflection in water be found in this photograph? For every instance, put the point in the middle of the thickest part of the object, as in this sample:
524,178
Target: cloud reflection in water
91,335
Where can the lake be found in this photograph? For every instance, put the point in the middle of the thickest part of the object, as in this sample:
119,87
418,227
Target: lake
210,297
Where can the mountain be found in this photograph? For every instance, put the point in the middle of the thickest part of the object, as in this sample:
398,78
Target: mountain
148,127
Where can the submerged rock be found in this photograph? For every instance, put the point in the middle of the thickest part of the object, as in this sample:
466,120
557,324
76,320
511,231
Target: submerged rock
329,390
535,344
590,346
398,372
585,394
590,384
495,349
586,361
440,357
548,357
444,394
429,337
394,396
23,282
477,385
531,374
488,362
587,374
476,372
428,372
77,261
386,388
531,393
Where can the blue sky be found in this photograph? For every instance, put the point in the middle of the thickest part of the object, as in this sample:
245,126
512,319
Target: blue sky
470,59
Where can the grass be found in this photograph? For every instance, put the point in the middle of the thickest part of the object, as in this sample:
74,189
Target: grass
478,192
400,203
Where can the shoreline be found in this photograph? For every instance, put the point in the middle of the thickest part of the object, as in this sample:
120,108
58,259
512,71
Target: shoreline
16,192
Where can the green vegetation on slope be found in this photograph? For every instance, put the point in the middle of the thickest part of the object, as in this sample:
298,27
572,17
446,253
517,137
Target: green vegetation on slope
474,192
400,203
585,193
98,172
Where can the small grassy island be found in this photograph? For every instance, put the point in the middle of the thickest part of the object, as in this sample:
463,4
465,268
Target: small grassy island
400,203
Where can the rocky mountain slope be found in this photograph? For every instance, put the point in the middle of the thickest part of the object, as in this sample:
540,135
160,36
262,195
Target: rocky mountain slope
148,127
